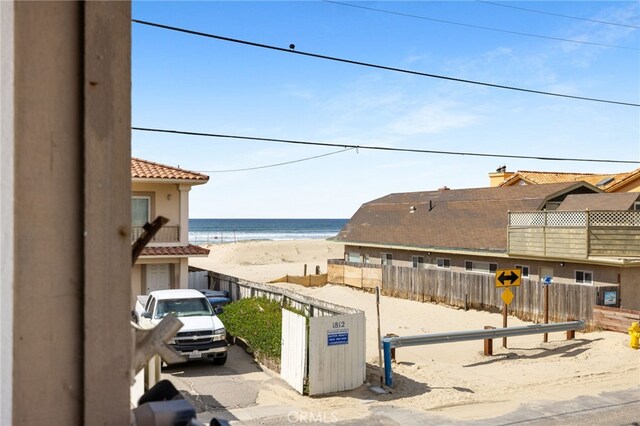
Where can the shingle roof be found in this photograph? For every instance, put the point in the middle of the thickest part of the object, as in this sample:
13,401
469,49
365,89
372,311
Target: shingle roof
607,201
534,177
190,250
144,169
463,219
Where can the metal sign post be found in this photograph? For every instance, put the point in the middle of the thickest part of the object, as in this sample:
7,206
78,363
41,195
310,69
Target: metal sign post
507,278
546,281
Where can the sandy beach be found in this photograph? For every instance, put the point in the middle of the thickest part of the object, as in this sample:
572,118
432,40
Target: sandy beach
453,380
264,261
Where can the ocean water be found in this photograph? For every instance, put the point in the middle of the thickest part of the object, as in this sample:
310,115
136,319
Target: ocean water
211,231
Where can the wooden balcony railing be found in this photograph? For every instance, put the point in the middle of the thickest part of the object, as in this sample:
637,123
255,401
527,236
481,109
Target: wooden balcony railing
574,234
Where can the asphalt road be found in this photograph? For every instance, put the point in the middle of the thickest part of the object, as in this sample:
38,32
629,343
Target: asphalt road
230,392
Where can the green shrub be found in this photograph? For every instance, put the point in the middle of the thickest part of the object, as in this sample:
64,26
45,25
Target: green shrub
257,321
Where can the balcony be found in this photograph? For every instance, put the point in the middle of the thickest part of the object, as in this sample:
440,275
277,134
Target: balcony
574,234
166,234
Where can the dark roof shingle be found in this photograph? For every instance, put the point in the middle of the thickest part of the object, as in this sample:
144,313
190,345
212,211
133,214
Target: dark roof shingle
607,201
463,219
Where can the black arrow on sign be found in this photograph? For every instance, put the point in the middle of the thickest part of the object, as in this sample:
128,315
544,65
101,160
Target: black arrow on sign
511,278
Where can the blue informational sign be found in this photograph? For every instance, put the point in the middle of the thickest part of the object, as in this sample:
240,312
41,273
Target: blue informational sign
337,337
547,280
610,297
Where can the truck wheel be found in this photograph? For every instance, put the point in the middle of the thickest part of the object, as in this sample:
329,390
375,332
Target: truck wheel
220,360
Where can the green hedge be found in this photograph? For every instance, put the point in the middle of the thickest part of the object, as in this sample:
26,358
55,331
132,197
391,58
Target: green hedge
257,321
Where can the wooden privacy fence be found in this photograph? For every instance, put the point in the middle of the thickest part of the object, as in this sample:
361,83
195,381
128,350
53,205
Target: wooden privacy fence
615,319
334,358
306,280
470,290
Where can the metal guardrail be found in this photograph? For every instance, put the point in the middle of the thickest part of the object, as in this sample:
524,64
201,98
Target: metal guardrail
460,336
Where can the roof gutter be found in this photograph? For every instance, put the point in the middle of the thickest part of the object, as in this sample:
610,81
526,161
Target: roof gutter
164,180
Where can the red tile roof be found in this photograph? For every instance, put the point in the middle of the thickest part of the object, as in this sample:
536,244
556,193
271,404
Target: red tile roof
190,250
533,177
143,169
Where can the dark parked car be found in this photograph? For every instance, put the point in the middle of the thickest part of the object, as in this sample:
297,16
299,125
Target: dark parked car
216,298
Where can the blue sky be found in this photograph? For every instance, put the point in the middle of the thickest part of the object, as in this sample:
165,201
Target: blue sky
191,83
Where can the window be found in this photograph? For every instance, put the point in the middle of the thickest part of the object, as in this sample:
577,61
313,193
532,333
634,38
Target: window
636,205
443,263
140,210
584,277
353,256
524,270
386,259
417,261
366,257
484,267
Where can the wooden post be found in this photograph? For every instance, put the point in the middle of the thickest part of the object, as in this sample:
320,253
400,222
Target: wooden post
305,270
571,334
504,324
546,310
488,343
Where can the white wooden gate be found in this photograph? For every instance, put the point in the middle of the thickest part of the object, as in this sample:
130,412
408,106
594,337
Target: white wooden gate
336,353
198,279
293,359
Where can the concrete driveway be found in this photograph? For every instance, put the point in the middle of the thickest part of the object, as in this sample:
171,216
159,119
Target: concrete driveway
227,392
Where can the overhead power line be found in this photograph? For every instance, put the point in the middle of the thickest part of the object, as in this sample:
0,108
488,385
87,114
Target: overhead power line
443,21
557,14
382,67
277,164
376,148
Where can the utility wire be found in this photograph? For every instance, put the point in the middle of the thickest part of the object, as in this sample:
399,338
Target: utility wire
477,26
277,164
376,148
556,14
382,67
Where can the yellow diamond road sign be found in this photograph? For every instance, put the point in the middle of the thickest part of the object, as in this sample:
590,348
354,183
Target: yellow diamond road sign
508,277
507,295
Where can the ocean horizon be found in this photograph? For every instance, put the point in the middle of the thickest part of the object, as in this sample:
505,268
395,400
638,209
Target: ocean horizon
218,231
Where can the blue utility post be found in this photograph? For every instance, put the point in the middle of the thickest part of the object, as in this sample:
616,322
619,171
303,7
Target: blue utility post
386,346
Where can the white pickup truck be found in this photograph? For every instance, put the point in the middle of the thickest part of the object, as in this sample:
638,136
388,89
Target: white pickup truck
202,336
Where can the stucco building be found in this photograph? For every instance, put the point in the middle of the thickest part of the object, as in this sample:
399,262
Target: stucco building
161,190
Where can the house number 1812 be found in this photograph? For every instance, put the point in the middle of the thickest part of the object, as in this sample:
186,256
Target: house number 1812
338,324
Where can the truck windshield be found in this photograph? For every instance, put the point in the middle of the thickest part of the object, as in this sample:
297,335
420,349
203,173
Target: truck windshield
183,307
